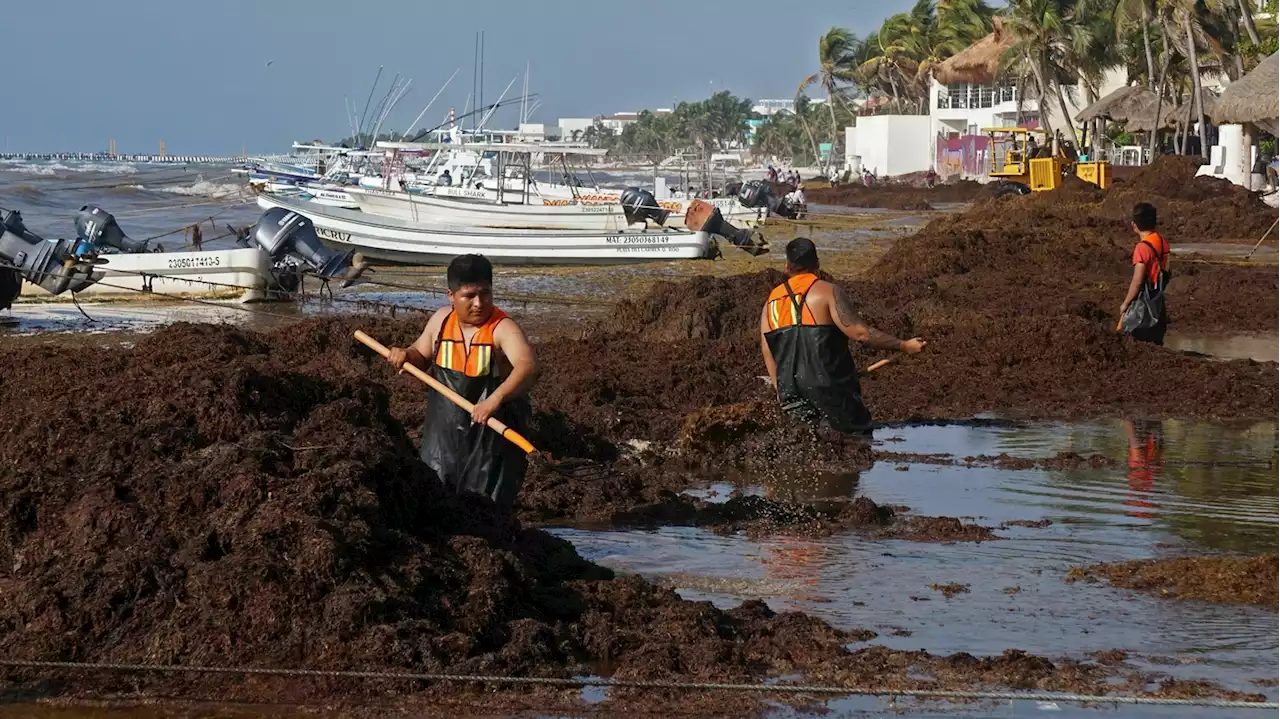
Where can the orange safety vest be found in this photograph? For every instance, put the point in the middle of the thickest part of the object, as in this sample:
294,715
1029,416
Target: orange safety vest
452,352
786,303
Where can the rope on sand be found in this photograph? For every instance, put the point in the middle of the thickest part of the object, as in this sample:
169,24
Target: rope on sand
639,684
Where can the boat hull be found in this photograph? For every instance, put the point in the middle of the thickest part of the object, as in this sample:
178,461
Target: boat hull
244,273
395,240
329,197
606,215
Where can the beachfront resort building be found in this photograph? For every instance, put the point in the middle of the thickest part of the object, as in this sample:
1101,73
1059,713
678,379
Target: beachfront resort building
966,95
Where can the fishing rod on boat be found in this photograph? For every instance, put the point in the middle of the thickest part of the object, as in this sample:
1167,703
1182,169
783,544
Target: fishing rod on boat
360,124
456,119
489,114
379,110
404,89
429,104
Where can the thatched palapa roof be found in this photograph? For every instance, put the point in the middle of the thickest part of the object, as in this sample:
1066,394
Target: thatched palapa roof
1124,104
1252,98
980,62
1186,112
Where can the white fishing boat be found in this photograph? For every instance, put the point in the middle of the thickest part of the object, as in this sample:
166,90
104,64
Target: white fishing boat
244,274
446,206
531,208
405,241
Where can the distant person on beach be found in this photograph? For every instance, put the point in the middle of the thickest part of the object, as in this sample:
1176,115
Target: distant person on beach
481,353
805,328
1143,315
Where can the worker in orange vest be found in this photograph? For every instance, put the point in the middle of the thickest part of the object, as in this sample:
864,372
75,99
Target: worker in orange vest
480,352
805,329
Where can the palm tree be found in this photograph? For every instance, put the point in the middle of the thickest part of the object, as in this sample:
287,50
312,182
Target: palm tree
1044,32
802,108
961,23
1094,50
878,69
1127,13
837,53
1186,14
1246,15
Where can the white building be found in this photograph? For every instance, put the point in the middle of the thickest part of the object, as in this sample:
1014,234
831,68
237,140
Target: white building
772,107
531,132
569,125
965,95
889,145
619,120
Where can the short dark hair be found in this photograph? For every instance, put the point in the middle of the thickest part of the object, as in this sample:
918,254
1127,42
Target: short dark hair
1144,216
469,270
802,254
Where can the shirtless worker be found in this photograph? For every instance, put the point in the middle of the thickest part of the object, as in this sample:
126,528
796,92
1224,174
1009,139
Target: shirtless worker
805,329
482,354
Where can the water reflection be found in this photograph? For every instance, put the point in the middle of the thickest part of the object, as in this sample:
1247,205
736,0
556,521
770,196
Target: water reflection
1211,486
795,562
1146,462
1170,487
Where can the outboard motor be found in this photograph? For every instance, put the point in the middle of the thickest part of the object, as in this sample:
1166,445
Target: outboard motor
50,264
705,217
283,233
757,194
640,205
97,229
731,189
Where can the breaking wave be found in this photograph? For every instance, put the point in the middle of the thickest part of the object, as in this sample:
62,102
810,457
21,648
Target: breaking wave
50,169
205,188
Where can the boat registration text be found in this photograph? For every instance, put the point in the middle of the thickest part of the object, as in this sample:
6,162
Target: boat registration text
333,235
182,263
636,240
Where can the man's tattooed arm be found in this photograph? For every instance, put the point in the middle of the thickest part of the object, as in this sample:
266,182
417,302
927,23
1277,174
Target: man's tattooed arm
851,323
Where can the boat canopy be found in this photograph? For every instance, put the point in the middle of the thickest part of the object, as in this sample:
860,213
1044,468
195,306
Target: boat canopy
540,148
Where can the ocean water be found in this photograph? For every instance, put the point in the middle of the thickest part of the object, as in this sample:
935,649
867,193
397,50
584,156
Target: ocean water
146,199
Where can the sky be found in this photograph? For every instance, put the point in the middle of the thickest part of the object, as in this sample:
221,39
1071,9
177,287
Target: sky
213,76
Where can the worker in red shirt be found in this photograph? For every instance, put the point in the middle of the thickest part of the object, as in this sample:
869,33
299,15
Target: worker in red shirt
1143,315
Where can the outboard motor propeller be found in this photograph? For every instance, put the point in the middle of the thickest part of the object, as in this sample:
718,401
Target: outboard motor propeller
282,232
640,205
705,217
50,264
96,228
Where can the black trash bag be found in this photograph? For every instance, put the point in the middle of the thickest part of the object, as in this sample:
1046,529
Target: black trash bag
1146,311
